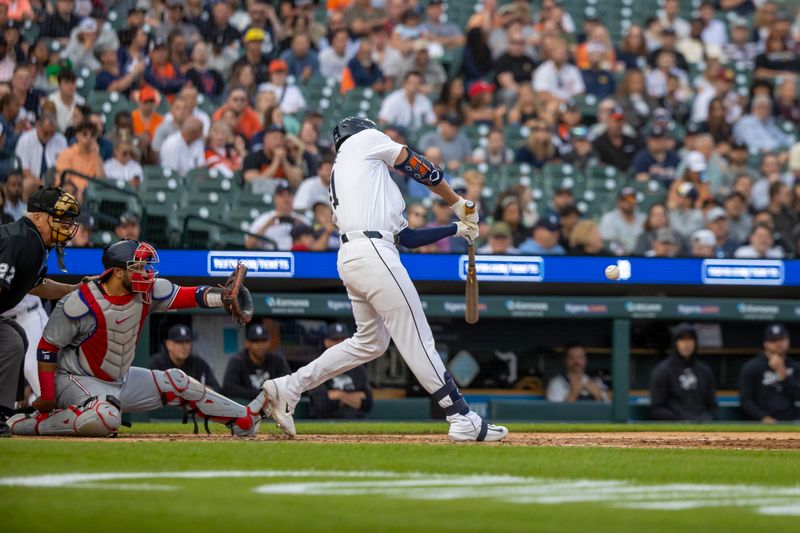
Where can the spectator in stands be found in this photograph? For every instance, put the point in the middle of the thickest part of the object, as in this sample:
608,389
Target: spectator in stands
387,57
740,48
568,218
684,218
123,166
446,34
714,31
586,239
59,24
681,386
694,170
717,223
450,140
82,44
433,74
333,59
38,149
207,81
499,241
13,204
183,150
622,226
220,153
758,130
614,147
301,59
703,243
273,160
254,55
514,68
545,238
777,59
666,243
539,148
161,74
65,98
771,173
637,105
128,227
83,235
112,79
407,106
761,245
477,57
315,189
655,161
451,98
479,109
787,103
575,384
579,152
289,97
172,123
656,219
82,158
364,71
769,383
247,120
632,50
177,353
669,17
251,367
509,211
22,88
348,395
598,80
496,153
780,207
217,29
175,23
145,118
556,80
667,40
276,225
739,220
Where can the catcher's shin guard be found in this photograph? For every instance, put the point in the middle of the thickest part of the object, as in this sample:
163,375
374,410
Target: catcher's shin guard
96,417
178,389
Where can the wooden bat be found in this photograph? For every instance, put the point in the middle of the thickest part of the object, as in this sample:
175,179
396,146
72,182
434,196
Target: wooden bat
471,310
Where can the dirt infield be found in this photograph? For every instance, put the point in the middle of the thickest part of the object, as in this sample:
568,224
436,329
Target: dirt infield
691,440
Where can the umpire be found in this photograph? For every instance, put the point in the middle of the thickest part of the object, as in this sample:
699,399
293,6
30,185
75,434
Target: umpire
24,246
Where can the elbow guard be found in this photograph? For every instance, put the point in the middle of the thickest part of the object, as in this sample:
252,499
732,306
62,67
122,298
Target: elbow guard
419,168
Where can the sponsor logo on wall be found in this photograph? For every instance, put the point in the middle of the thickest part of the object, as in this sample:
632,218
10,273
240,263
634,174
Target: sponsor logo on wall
693,310
643,309
285,306
525,308
340,305
585,309
758,311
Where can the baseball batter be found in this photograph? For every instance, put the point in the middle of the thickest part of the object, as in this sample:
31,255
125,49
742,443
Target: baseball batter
88,344
368,209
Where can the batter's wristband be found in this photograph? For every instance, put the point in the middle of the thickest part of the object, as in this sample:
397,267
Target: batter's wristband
47,382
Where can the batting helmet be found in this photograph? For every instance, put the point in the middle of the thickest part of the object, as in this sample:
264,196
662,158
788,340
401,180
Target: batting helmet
350,126
138,258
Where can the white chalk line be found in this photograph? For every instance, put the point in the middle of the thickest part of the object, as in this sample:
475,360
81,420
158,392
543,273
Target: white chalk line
766,500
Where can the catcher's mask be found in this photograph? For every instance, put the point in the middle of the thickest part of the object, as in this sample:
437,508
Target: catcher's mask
62,209
139,259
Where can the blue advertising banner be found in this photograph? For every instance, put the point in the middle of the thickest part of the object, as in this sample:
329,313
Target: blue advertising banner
491,268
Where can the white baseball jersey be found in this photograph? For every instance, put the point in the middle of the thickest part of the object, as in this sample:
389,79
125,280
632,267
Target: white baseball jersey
363,195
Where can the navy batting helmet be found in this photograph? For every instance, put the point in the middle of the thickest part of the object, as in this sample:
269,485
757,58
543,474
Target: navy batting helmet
118,254
350,126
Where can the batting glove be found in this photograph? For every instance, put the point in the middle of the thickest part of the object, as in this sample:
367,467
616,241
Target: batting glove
460,209
468,230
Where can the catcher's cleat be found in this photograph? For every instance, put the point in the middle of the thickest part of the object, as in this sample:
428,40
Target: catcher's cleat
279,409
471,428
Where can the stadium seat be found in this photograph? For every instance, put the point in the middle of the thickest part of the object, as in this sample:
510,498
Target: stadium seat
160,224
108,201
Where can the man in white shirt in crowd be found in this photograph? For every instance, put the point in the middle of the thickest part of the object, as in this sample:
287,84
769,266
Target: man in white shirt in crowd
669,17
450,140
172,122
623,225
183,150
66,98
714,33
762,245
407,106
122,166
333,60
277,224
289,97
315,189
574,384
37,149
556,79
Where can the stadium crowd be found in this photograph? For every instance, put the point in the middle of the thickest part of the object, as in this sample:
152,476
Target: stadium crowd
672,132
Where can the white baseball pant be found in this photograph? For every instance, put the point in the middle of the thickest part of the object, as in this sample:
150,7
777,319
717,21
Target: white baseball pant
30,315
385,306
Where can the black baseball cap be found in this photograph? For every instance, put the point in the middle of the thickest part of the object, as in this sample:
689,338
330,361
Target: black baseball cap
337,331
274,127
775,331
657,132
257,332
282,186
549,223
127,218
626,192
179,333
452,118
299,230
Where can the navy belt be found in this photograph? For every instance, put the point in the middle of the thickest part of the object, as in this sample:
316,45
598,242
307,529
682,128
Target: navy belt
354,235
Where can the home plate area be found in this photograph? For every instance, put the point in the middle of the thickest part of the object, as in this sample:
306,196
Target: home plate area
767,500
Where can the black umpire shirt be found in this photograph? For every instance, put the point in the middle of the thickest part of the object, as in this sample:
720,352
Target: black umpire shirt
761,393
23,261
243,377
194,366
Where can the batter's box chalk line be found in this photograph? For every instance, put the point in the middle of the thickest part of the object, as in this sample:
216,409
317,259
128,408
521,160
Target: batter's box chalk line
767,500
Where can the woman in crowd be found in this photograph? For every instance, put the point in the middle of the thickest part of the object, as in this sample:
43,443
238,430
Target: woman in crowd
539,149
632,96
632,50
477,60
525,110
220,152
586,239
716,124
509,210
451,99
656,219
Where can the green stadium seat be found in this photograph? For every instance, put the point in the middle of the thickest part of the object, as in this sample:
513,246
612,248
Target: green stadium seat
160,224
108,201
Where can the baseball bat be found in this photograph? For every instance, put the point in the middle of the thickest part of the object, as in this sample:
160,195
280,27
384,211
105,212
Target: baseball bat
471,309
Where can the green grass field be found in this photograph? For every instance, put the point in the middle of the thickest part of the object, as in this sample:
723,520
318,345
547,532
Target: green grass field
129,484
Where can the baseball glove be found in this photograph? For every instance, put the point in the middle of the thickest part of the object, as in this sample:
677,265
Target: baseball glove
236,298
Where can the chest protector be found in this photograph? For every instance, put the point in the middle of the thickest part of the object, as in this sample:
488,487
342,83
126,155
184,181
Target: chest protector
108,352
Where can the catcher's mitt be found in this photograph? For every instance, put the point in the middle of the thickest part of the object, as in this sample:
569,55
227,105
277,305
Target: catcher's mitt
236,298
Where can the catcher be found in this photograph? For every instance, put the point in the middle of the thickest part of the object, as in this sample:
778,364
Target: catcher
88,345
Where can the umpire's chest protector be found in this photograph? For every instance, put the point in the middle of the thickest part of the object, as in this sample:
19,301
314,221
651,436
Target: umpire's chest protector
108,352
